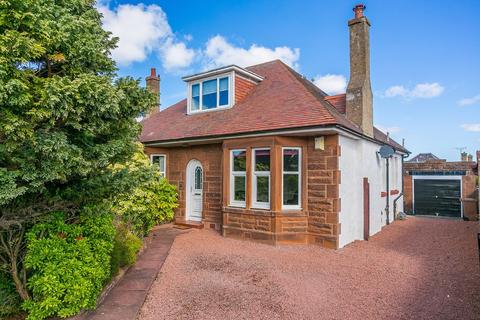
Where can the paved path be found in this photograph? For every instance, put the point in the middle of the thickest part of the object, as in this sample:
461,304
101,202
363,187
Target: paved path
125,300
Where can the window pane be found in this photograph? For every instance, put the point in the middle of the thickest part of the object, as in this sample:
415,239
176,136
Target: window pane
290,189
290,159
239,188
195,97
198,178
196,90
262,189
262,160
159,161
239,160
209,94
223,91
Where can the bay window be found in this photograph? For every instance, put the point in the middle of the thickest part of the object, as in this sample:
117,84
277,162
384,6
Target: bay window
291,178
210,94
261,178
238,177
159,161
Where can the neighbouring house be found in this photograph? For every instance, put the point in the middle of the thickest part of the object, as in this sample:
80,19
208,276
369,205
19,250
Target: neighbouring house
438,187
261,153
423,157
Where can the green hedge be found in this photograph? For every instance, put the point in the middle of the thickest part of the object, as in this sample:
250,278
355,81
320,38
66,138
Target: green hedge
69,263
125,249
148,205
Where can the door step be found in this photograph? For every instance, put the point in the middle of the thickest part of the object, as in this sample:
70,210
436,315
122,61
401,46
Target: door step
187,224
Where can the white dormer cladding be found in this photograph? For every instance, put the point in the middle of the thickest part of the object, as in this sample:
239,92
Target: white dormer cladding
215,89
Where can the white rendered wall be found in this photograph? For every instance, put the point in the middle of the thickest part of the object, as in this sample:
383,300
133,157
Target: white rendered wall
359,159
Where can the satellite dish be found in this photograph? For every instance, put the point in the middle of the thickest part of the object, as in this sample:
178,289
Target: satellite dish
386,151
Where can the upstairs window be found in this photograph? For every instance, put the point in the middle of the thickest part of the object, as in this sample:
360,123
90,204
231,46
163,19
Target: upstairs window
210,94
195,97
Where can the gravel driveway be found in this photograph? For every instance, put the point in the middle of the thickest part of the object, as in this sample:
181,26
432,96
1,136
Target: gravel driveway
422,268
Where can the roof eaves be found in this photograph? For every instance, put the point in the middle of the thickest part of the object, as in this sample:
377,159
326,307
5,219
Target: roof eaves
242,71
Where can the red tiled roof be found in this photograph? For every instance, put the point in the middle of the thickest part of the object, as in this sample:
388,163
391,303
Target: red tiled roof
339,101
284,99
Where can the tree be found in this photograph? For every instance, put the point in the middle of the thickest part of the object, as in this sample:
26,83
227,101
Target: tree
65,118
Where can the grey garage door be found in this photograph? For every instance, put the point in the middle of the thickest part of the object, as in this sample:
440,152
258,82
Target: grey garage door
442,197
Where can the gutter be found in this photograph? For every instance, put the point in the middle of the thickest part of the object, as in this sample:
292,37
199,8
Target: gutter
213,138
334,128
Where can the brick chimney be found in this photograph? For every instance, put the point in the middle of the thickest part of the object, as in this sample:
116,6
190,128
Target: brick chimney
153,85
359,107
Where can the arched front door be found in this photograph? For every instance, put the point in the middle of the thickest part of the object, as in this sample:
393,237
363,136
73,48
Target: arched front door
194,191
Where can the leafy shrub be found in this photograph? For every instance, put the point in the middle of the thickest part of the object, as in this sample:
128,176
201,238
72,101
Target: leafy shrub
125,248
9,299
148,205
68,262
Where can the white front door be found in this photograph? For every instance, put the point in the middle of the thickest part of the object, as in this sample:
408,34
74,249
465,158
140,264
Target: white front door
194,190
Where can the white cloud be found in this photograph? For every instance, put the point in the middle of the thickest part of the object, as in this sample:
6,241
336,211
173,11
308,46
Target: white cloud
142,30
176,56
421,90
469,101
219,52
427,90
396,91
392,129
331,83
472,127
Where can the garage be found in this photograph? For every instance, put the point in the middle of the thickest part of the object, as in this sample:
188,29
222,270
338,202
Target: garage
437,196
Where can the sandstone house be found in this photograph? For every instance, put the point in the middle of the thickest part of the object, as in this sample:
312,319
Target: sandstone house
261,153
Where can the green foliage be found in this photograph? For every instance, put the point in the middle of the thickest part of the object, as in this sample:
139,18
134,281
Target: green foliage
66,119
69,262
62,115
9,299
149,204
125,248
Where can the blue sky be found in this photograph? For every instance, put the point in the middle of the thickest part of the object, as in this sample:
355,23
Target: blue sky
425,55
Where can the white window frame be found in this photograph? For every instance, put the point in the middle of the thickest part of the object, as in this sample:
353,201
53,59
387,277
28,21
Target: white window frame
289,206
164,172
231,93
255,175
233,174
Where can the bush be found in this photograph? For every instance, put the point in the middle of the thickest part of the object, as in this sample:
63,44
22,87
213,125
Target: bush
9,299
148,205
68,262
125,248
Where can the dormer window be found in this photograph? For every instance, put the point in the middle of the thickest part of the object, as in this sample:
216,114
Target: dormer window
215,90
210,94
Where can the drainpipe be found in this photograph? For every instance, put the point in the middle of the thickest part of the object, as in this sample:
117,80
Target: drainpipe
387,208
401,193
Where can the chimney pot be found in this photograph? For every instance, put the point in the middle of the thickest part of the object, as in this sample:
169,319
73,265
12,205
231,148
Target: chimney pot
358,9
153,85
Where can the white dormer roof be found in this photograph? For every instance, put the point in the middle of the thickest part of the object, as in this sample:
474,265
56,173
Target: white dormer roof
238,70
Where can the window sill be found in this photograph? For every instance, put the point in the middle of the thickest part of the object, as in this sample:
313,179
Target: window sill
237,206
292,208
191,113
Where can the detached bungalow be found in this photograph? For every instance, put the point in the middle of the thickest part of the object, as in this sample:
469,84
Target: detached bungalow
261,153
